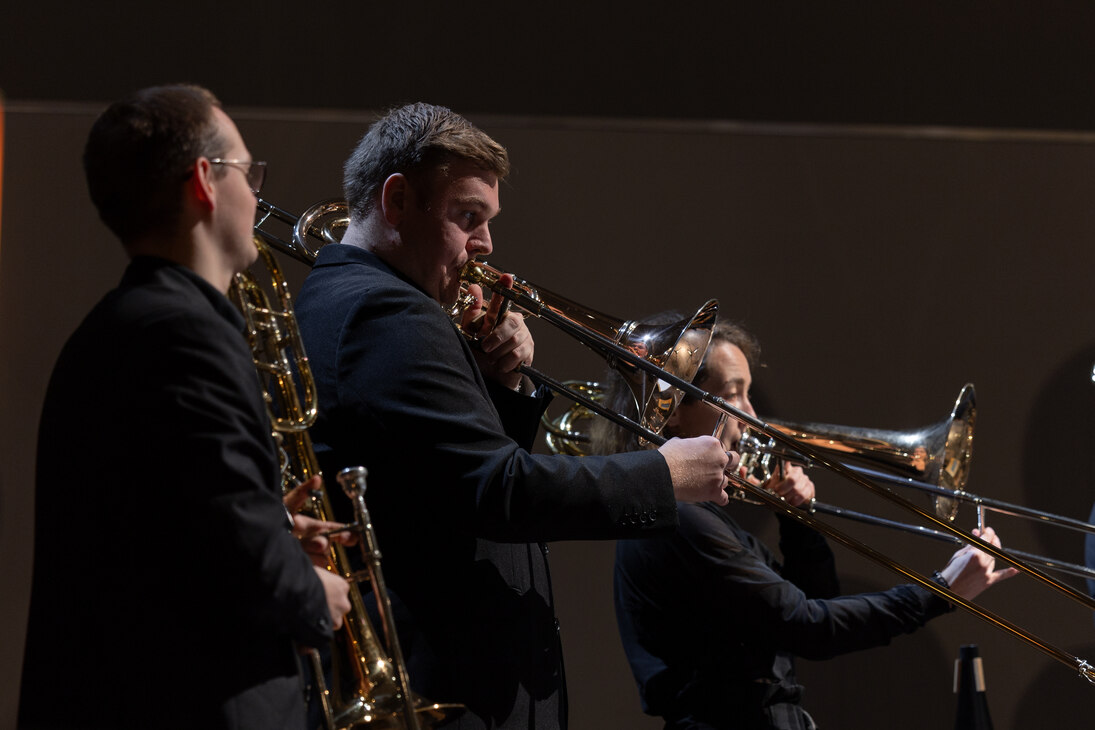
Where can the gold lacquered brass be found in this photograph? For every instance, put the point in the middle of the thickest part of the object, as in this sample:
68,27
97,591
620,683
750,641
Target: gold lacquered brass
629,353
939,454
370,688
676,348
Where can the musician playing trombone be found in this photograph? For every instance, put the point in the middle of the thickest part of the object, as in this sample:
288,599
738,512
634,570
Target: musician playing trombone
460,505
711,620
168,590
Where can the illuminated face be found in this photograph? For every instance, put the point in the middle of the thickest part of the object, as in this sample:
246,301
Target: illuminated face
727,376
237,203
448,227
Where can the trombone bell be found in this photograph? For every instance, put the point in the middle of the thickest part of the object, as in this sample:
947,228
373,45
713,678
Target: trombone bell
677,348
939,454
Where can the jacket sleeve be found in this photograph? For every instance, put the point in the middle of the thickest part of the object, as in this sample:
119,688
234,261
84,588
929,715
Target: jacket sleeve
413,405
518,413
222,466
808,560
779,613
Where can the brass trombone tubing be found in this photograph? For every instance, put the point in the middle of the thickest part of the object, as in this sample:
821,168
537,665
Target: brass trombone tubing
613,351
289,248
1085,670
352,481
370,669
995,505
598,343
557,436
1058,566
776,502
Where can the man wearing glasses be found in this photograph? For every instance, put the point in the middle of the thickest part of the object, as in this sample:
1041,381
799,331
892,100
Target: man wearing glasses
168,589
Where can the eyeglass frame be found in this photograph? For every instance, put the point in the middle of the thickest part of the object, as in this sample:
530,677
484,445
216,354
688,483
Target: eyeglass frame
249,170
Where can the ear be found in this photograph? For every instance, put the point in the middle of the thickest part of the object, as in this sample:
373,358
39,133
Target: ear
394,198
200,183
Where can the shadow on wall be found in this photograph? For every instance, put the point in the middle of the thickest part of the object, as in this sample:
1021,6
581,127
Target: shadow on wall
1073,697
1059,453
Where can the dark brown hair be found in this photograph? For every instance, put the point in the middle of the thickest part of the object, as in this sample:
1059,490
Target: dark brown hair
609,438
415,140
138,154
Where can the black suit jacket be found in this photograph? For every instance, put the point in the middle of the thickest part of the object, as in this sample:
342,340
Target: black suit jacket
167,589
711,620
458,502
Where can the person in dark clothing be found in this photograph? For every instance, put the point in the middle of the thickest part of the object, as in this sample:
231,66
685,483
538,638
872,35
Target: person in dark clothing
711,620
168,588
460,506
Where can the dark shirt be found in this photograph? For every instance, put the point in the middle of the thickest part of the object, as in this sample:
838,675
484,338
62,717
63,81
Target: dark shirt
460,506
167,589
711,621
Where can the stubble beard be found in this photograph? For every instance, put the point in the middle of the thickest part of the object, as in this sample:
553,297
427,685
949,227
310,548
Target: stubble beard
450,291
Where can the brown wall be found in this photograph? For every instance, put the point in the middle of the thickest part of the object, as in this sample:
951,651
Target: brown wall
977,63
881,269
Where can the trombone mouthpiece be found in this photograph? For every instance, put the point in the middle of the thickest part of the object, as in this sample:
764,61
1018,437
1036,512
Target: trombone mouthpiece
352,480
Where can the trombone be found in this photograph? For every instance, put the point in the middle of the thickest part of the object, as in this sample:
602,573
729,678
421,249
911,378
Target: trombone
934,459
642,365
540,303
371,687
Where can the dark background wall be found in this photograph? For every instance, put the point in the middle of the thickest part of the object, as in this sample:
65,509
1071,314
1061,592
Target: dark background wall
894,198
970,63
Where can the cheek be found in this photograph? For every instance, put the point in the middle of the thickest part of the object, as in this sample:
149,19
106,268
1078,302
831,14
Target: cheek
454,243
696,420
728,431
708,422
732,433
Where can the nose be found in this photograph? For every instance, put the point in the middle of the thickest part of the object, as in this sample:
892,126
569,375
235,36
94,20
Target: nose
480,242
747,406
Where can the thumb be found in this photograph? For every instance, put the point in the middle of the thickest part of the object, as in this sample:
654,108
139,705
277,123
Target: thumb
490,320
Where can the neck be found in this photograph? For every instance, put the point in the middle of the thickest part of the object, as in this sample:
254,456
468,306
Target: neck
383,242
358,235
187,250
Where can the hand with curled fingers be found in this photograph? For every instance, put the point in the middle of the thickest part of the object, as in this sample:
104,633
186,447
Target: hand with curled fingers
970,570
337,591
505,342
791,482
698,468
311,532
298,496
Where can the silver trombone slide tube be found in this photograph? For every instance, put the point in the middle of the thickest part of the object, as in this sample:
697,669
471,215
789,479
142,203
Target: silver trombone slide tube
1082,666
602,344
1001,507
268,211
324,222
599,343
1057,566
778,504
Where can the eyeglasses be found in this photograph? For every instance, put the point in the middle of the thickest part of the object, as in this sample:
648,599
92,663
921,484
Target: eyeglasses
253,169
